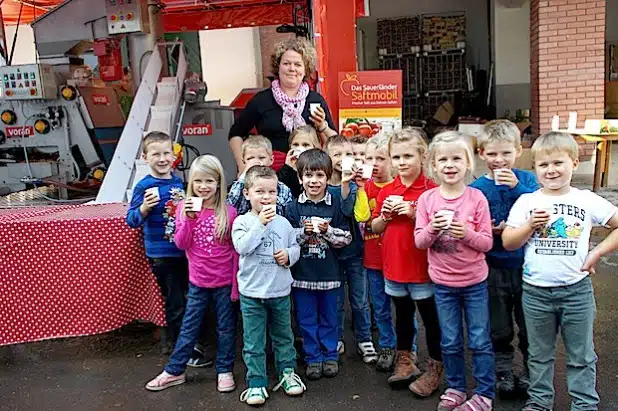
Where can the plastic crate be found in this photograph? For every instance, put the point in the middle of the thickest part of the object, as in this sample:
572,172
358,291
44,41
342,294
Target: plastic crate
401,35
412,109
432,101
443,71
409,65
444,32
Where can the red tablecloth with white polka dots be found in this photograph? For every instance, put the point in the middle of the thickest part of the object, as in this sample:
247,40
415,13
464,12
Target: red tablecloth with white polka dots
72,270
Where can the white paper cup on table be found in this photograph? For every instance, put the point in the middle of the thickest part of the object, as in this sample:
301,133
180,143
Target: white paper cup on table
197,204
346,164
154,191
367,171
313,107
449,214
316,221
497,173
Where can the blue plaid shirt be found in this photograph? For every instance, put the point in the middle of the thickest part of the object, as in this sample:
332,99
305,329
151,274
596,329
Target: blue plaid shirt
236,198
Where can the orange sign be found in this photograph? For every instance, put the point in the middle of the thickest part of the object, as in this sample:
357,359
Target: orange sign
370,102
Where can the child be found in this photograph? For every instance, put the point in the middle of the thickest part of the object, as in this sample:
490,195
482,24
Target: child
301,139
267,246
359,149
320,228
454,223
213,264
256,150
405,266
499,146
153,206
350,258
554,225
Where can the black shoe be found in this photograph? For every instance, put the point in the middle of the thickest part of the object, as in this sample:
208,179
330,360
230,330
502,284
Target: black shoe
199,360
314,371
521,386
505,385
330,368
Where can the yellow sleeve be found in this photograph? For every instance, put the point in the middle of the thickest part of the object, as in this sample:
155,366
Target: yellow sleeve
362,213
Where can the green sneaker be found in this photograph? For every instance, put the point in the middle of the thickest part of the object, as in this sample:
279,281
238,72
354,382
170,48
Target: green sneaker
291,383
254,396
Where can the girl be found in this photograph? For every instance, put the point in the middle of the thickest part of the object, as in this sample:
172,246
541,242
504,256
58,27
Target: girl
454,223
405,266
302,139
213,264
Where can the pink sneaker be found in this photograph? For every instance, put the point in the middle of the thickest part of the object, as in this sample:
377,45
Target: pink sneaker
225,382
165,380
476,403
451,399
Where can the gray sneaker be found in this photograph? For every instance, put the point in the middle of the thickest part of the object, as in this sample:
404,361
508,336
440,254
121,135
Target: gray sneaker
386,359
314,371
330,368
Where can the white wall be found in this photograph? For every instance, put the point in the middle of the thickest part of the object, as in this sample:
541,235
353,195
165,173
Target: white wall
24,47
512,44
231,61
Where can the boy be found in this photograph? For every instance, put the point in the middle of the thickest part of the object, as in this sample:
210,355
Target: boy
377,154
267,246
153,206
499,146
320,228
359,149
350,258
554,225
256,150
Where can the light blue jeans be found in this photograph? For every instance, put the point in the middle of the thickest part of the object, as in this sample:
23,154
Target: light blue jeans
570,310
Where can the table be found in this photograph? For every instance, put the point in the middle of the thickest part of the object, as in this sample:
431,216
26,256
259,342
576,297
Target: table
604,156
72,270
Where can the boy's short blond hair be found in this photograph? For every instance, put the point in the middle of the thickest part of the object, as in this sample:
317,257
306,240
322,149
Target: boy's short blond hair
257,142
499,130
553,142
380,142
359,140
154,137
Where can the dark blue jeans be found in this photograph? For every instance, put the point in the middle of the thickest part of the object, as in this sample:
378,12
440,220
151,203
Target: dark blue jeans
382,310
172,275
354,276
317,316
258,316
197,304
471,303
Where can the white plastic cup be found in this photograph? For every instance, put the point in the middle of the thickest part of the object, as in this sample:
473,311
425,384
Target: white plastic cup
316,221
197,204
544,203
572,125
449,214
367,171
313,107
154,191
395,199
268,207
297,152
497,172
358,163
346,164
555,123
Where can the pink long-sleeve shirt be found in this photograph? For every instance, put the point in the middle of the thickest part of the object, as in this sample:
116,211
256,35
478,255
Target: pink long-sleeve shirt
454,262
212,263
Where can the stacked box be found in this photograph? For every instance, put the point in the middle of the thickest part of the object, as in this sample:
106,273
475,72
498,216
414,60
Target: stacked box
434,100
444,32
397,36
409,66
444,71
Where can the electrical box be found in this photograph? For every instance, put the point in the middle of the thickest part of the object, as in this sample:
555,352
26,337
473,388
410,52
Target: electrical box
28,82
127,16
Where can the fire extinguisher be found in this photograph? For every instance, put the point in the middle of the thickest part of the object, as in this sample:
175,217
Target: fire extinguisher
110,59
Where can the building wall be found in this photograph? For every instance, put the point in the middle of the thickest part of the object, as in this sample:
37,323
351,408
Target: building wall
268,39
231,61
511,44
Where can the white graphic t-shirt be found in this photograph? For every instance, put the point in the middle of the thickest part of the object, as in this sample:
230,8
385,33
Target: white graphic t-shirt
555,254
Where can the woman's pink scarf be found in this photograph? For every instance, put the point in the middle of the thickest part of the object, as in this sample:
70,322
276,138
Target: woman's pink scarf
292,106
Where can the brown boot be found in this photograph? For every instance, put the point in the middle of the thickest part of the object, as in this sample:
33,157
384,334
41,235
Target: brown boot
429,382
405,370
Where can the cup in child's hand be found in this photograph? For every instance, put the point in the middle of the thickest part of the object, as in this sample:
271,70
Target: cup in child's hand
154,191
367,171
448,214
346,164
269,208
394,200
544,203
317,221
297,152
196,204
498,174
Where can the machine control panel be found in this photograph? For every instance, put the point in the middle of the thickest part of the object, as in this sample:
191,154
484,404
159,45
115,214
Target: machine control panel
127,16
28,82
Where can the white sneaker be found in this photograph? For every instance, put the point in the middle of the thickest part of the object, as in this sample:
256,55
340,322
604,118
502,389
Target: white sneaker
225,382
254,396
291,383
368,352
340,347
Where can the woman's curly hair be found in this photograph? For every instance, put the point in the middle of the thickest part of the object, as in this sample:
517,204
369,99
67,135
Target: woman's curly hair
299,45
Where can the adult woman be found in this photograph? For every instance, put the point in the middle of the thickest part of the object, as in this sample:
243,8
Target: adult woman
277,111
